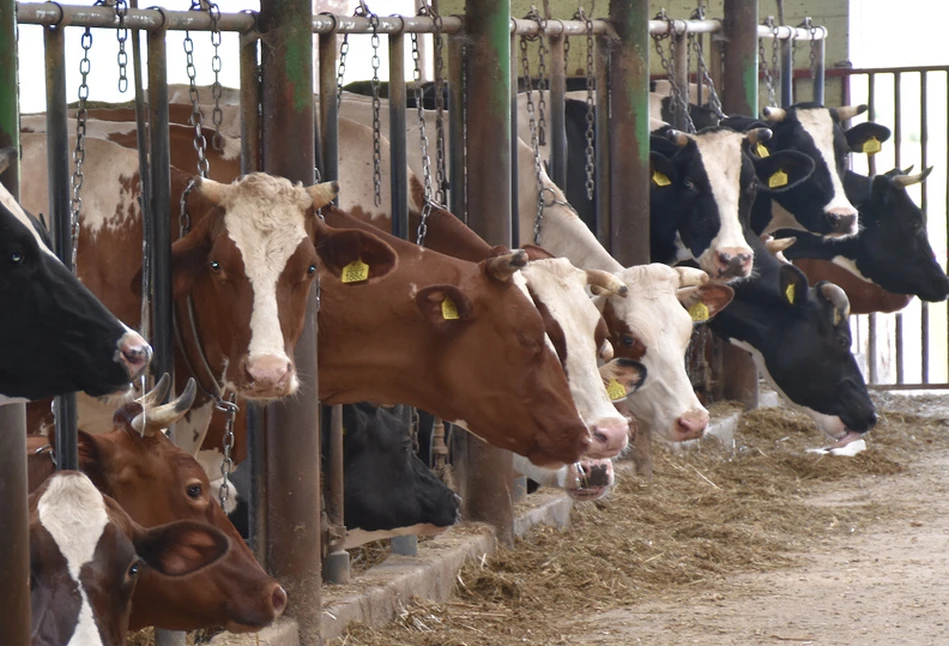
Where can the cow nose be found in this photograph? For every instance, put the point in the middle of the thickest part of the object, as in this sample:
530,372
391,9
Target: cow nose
843,222
279,600
734,262
134,353
268,372
872,419
609,438
691,426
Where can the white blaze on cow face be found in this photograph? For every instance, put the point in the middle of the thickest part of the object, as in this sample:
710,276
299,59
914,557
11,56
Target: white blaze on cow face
722,160
73,512
818,123
265,217
560,287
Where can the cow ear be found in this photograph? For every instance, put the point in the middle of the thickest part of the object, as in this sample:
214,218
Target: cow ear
661,170
705,301
356,256
444,306
793,285
783,170
535,252
180,548
867,137
622,377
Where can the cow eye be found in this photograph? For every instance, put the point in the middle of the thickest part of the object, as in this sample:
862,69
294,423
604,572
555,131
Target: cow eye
134,569
16,257
688,185
627,339
215,266
311,269
843,342
194,491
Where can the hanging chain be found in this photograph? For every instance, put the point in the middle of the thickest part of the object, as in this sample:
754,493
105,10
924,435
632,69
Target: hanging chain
341,69
217,115
590,166
680,96
121,35
362,11
441,184
197,120
770,74
714,101
229,408
812,30
532,121
79,153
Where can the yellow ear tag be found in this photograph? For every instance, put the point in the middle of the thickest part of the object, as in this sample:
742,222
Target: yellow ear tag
779,179
355,272
450,310
789,292
699,312
872,146
659,179
762,151
615,390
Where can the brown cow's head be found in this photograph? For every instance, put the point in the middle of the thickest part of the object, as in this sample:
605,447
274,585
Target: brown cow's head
156,483
249,263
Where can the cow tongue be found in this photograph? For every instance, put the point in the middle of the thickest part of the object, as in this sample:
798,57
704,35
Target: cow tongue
851,436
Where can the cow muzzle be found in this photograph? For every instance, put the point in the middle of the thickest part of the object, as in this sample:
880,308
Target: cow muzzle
268,377
609,437
589,480
275,603
842,222
134,354
733,262
691,426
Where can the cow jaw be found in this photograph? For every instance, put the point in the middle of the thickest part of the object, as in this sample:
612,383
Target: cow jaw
818,123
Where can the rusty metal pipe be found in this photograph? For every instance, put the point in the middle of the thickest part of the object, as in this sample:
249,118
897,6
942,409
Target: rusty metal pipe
329,125
250,104
681,53
398,169
557,130
604,204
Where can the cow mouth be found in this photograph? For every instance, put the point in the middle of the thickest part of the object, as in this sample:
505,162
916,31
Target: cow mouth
592,480
587,494
849,444
845,439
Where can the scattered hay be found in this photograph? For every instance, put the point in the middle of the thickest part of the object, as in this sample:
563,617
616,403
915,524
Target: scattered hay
705,515
366,556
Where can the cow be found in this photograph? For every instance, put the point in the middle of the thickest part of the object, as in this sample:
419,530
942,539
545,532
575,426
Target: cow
891,249
800,340
58,337
156,482
87,554
584,482
820,204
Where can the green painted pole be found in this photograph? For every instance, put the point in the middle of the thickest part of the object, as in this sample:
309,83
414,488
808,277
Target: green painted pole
629,132
489,471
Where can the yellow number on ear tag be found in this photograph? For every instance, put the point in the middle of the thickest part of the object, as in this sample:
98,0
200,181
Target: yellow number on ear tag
779,179
789,292
699,312
615,390
872,146
355,272
762,151
660,179
450,310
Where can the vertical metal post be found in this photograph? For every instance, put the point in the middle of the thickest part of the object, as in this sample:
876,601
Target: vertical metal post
398,168
336,567
740,96
897,145
820,63
57,162
293,427
924,207
250,103
14,516
487,22
682,73
557,131
515,220
629,124
456,127
787,72
604,205
329,127
141,129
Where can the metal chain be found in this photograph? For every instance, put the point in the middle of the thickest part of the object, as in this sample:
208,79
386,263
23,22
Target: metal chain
680,100
714,101
197,120
79,153
341,69
121,35
812,30
532,122
229,408
217,115
363,11
566,56
770,72
441,182
590,166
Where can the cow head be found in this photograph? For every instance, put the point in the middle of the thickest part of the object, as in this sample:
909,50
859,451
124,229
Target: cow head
654,326
156,483
249,263
707,188
58,337
386,484
86,556
820,204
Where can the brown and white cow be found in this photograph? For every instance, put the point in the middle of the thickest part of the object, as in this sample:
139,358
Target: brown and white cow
155,482
87,554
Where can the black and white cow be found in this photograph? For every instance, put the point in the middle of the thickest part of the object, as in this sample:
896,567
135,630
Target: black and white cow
800,339
892,249
820,204
57,336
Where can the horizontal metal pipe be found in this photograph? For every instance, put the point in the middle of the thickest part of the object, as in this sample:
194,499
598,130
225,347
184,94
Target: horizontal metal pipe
789,33
49,13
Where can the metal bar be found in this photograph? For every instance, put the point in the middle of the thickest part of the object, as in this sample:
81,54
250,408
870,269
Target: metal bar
557,130
681,54
250,104
740,96
871,115
947,210
872,329
336,566
629,124
604,204
787,73
151,20
489,469
786,32
257,459
924,207
515,220
399,176
919,386
329,124
14,513
456,128
820,61
846,71
897,143
293,427
141,140
157,225
57,162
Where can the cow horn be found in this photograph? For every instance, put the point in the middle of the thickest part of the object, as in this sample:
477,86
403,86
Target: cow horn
690,276
777,245
774,114
908,169
7,156
677,137
213,191
607,282
758,135
908,180
152,421
157,394
323,193
845,112
838,298
503,267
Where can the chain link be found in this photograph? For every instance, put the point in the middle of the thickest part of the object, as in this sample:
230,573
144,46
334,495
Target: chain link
441,182
680,96
341,69
217,115
812,29
229,408
590,165
79,153
121,35
770,73
532,120
197,120
714,101
363,11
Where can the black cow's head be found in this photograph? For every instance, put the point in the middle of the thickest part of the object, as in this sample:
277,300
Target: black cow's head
57,337
820,204
705,184
386,485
